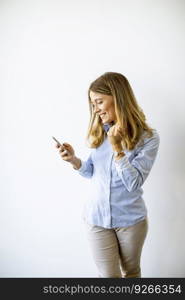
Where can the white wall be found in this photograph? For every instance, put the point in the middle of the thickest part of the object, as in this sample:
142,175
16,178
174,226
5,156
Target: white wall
50,51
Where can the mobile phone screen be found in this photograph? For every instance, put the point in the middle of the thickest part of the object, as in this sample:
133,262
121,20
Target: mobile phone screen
56,141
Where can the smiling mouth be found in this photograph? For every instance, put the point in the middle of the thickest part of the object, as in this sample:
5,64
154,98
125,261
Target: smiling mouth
102,115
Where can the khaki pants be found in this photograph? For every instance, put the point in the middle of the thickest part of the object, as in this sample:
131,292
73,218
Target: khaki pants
117,251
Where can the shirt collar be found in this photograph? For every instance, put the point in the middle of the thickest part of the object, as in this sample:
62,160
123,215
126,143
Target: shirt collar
107,126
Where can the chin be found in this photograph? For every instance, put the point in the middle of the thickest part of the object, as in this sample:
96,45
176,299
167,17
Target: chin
108,121
105,121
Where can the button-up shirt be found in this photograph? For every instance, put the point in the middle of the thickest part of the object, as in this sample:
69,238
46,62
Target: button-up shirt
116,198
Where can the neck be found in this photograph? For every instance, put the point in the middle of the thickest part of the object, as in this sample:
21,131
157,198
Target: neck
107,126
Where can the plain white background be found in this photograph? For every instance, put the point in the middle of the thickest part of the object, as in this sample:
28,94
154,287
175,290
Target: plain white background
50,51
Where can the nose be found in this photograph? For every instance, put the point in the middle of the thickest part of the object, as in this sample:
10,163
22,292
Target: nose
96,108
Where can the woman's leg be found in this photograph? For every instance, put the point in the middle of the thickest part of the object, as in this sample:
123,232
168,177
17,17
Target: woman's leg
104,246
131,240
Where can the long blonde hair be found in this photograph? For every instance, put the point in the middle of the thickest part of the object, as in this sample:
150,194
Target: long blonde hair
128,113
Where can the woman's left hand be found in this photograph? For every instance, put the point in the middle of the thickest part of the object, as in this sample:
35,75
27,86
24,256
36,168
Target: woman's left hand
115,136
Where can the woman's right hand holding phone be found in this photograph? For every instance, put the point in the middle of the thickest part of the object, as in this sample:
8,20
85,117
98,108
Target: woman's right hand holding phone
67,153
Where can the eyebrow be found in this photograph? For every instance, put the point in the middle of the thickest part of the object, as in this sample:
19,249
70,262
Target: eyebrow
96,99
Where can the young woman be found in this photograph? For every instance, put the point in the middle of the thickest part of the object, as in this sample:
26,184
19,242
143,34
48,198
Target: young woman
124,149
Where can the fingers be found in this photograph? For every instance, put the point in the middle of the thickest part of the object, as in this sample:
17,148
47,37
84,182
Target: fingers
65,155
115,130
120,132
61,148
57,145
63,151
66,145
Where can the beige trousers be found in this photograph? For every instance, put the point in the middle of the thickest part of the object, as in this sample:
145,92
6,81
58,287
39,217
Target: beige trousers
117,251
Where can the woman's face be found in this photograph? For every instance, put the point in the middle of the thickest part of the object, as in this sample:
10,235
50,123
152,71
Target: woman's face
103,105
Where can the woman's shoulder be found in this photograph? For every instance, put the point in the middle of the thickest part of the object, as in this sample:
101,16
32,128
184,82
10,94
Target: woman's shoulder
147,139
155,135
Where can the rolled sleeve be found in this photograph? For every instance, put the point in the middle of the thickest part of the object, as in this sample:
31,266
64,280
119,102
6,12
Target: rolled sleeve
86,168
134,173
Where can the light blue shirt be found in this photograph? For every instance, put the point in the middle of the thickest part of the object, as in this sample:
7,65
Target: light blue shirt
116,199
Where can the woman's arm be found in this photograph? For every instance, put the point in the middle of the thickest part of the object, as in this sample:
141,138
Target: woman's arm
85,168
134,173
76,163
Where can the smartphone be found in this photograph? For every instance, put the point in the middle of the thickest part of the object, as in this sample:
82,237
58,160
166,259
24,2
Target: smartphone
56,141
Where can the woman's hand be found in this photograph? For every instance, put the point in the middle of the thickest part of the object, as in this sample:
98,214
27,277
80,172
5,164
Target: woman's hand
115,136
66,151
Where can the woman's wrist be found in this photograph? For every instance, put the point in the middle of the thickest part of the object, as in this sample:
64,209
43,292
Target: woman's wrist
118,151
76,163
119,155
117,147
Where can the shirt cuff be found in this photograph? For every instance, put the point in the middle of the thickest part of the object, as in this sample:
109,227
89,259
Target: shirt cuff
82,168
